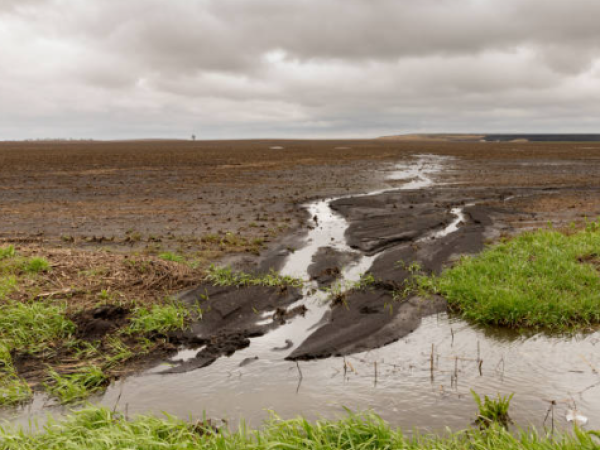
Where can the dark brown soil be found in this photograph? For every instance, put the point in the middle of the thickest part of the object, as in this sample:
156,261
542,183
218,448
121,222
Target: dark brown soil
231,316
366,320
94,324
169,195
327,265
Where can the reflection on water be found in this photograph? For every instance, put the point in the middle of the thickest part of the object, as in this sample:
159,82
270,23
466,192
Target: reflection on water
537,369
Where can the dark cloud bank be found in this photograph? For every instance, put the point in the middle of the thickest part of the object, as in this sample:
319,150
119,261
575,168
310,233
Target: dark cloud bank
297,68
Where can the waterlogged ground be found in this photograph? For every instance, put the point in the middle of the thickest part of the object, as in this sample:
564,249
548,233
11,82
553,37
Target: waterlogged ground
424,378
405,391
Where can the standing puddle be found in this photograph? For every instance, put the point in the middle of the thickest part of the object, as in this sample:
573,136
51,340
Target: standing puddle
395,381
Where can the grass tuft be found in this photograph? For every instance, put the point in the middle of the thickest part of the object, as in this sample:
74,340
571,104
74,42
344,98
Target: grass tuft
226,276
492,411
159,319
7,285
36,265
7,252
77,386
13,390
27,328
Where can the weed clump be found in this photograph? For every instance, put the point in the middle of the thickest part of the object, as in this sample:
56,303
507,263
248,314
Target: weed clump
31,326
7,252
36,265
13,390
492,411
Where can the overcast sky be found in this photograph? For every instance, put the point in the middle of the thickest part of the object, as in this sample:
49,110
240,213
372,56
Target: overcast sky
221,69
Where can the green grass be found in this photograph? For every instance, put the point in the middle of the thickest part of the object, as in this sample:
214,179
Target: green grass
13,390
36,265
492,411
158,319
7,252
12,264
31,326
101,429
226,276
338,292
538,280
27,328
7,285
77,386
170,256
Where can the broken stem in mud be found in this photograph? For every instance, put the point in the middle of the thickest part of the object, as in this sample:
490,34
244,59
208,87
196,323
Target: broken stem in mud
300,377
375,368
431,362
118,398
594,370
551,413
479,360
501,362
455,374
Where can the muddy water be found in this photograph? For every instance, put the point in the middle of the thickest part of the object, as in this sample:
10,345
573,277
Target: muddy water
396,381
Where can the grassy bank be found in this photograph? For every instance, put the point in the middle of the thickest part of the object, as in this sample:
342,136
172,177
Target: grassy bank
72,341
539,280
96,428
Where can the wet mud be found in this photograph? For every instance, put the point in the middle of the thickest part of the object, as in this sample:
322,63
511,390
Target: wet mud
94,324
366,320
328,263
231,316
405,229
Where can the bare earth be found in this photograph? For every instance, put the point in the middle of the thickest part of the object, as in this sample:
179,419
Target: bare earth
133,194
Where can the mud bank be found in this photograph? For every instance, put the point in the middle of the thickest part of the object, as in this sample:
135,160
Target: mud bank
366,320
231,316
403,230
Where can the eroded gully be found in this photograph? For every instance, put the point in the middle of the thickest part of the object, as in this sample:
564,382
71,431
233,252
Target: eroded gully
396,380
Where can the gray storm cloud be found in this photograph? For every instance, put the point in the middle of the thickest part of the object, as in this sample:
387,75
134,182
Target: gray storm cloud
297,68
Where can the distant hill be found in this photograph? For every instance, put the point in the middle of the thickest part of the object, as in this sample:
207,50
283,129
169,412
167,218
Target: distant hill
435,137
543,137
496,137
